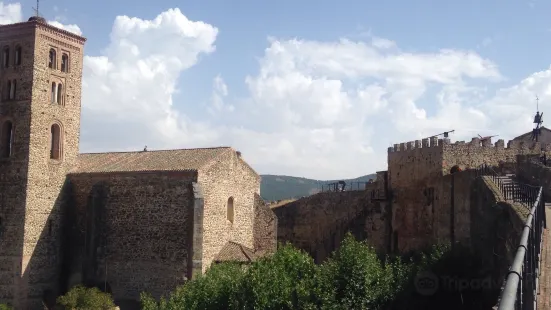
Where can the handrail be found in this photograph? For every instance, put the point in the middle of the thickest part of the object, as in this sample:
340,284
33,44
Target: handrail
520,291
521,286
514,191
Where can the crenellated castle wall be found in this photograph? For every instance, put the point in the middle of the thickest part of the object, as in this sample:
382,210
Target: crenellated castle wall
430,205
414,161
475,153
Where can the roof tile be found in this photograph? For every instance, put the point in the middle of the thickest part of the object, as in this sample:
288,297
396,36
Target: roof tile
163,160
235,252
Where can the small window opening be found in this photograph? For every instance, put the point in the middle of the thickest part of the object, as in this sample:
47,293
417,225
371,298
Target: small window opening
8,89
18,56
12,89
59,93
52,59
55,148
64,63
7,139
429,195
53,96
230,210
6,57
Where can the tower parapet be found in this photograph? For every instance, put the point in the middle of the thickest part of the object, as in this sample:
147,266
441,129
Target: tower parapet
419,159
417,144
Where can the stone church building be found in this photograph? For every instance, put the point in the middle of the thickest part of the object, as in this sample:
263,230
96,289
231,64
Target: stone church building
127,222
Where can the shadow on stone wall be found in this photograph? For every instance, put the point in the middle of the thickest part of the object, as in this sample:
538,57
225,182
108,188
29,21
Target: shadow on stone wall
496,227
264,229
12,231
530,171
43,278
318,223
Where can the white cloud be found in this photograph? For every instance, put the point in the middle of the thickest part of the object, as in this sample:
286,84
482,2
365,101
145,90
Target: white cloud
315,109
133,83
334,107
382,43
220,91
10,13
70,27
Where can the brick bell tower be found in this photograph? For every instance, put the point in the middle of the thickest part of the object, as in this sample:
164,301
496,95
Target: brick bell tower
40,102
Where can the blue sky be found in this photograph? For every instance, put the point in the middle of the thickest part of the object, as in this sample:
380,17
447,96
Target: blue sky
309,88
513,27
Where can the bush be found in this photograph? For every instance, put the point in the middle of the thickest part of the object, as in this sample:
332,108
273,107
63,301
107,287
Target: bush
353,278
5,307
286,280
219,288
81,298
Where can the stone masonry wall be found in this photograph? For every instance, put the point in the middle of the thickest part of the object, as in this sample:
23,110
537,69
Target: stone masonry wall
265,228
318,223
228,176
536,174
496,228
434,210
36,265
421,186
13,170
429,158
42,250
474,154
143,237
414,161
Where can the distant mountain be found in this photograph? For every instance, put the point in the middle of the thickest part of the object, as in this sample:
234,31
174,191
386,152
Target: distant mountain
279,187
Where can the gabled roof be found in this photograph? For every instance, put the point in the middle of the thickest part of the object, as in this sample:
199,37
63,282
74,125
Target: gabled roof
528,134
147,161
235,252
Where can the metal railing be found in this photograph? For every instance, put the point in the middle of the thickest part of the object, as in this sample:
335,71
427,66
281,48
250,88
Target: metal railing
347,186
511,190
376,194
521,288
522,282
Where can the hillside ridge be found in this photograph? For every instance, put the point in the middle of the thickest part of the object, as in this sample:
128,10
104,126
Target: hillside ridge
280,187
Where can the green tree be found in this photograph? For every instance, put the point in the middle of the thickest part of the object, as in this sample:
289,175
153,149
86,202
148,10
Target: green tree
219,288
283,281
83,298
355,278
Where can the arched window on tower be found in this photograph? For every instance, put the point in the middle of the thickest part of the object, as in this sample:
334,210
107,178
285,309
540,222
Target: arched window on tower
56,147
53,95
12,89
59,93
7,139
230,210
17,55
64,63
6,57
52,59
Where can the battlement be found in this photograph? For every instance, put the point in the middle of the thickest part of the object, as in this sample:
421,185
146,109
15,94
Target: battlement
418,144
474,143
513,145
